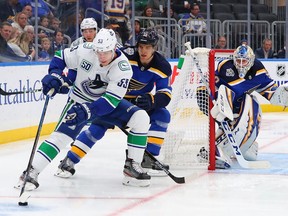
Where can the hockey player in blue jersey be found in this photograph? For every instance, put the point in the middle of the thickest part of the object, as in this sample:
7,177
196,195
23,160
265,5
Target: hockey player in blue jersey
150,69
239,78
100,75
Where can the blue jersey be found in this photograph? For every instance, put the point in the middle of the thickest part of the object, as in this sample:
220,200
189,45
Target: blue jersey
145,78
256,79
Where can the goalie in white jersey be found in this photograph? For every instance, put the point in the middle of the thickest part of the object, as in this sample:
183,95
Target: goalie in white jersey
100,75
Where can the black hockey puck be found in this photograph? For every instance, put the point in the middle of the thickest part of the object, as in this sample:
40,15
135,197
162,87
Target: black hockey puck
22,203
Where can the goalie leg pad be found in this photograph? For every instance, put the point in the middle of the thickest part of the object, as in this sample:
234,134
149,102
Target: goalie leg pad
246,128
252,152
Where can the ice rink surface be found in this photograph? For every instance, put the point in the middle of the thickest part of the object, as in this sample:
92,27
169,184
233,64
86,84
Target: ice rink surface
96,188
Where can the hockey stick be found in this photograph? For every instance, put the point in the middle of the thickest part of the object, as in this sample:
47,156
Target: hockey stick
22,197
179,180
227,130
5,93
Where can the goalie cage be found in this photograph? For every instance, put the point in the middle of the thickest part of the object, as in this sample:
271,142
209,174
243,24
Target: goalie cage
190,129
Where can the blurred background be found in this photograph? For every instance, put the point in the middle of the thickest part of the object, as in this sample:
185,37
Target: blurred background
32,30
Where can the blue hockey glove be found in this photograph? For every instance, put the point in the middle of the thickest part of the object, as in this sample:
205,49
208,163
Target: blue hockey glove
54,81
78,114
145,101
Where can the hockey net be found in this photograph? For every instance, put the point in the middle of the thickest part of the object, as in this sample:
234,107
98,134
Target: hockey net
192,128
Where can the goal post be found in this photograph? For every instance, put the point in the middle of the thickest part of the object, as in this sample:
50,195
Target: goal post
192,127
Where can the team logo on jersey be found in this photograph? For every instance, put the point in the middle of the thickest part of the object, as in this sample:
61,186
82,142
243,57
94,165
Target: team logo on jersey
124,65
230,72
281,70
86,65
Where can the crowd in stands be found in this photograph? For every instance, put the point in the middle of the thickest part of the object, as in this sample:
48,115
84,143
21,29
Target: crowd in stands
17,19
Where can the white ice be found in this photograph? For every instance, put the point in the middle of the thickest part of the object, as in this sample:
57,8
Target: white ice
96,188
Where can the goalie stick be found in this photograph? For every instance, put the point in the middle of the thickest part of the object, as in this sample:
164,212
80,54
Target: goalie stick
22,201
227,130
179,180
5,93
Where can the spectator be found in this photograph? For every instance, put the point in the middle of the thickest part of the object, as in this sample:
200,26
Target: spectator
282,52
113,24
20,21
43,8
265,51
27,9
20,46
45,47
84,4
157,5
137,26
57,42
14,34
7,54
173,15
9,9
30,30
180,6
195,21
148,22
118,12
6,31
221,43
54,23
44,22
243,42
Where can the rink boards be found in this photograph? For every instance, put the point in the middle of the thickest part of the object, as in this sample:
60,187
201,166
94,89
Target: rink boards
20,113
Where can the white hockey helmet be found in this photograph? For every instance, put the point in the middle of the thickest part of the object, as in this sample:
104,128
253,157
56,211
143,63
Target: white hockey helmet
243,58
105,40
88,23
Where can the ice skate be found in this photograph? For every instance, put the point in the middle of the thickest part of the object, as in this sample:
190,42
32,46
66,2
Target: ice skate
65,168
222,161
134,175
31,182
151,168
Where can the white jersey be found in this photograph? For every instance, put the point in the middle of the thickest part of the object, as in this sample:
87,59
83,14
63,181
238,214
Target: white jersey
93,80
78,41
117,9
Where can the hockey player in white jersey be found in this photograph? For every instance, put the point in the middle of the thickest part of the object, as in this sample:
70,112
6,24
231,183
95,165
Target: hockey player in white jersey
100,82
88,28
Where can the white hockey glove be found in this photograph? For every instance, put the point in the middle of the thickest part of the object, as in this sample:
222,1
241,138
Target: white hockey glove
223,106
280,96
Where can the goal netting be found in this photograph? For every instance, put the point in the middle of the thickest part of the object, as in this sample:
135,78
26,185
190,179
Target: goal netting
191,127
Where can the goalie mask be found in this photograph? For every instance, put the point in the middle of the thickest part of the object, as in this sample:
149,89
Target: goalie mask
105,40
243,58
148,36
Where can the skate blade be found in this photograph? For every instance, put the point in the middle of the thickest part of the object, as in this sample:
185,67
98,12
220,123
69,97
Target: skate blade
62,174
156,173
129,181
28,187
